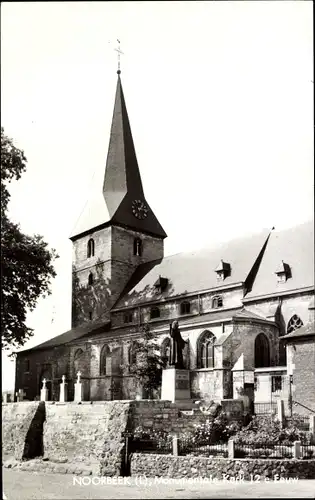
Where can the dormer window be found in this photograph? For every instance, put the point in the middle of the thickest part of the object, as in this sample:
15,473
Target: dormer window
128,317
283,272
137,247
91,279
223,270
154,313
185,307
161,284
217,302
90,248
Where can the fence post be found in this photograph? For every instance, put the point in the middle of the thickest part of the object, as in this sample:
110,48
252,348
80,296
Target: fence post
231,448
280,411
312,425
175,445
296,449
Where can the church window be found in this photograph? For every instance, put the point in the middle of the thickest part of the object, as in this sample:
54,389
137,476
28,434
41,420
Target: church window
185,307
137,247
294,323
132,355
206,350
77,361
262,354
154,312
91,279
106,361
217,301
27,365
128,317
90,248
90,315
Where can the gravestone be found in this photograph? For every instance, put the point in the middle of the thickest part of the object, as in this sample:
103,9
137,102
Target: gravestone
78,389
63,395
44,391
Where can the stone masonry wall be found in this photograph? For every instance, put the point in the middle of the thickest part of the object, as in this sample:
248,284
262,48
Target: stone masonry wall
90,434
219,468
22,429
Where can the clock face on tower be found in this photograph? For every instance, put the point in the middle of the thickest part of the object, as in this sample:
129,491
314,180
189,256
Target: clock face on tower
139,209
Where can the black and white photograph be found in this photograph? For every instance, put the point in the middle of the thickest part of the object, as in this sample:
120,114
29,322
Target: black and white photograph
157,250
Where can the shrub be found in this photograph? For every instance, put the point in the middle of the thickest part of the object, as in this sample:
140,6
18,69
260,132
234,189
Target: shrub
263,430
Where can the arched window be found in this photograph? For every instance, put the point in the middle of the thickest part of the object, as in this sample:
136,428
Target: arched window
206,350
185,307
137,247
294,323
262,354
91,279
154,312
106,361
165,350
217,301
132,355
90,248
77,361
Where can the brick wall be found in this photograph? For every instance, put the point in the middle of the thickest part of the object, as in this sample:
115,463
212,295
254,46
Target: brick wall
301,357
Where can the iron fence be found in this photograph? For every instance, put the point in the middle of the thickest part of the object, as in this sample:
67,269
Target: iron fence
143,445
302,422
263,451
307,451
201,448
265,408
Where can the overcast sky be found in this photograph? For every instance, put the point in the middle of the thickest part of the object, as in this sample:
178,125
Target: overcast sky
220,100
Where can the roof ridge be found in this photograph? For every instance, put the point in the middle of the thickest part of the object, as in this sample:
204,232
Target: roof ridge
218,244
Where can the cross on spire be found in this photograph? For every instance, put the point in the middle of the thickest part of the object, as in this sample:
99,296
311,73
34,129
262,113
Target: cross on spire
119,52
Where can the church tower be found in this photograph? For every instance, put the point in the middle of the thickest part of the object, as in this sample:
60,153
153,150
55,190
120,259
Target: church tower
117,231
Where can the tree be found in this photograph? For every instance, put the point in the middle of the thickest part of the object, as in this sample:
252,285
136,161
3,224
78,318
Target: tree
148,362
26,261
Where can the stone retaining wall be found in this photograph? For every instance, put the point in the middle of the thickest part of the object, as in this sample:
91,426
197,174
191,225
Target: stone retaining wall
22,429
219,468
86,434
158,414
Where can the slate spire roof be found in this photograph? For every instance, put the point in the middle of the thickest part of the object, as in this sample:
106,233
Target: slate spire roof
122,182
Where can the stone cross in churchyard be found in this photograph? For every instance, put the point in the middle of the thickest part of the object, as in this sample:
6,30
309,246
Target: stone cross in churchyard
63,390
44,391
20,395
78,389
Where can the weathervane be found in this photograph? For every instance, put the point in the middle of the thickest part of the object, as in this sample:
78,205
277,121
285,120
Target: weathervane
119,52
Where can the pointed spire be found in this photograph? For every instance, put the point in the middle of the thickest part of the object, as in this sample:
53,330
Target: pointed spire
122,189
125,203
122,172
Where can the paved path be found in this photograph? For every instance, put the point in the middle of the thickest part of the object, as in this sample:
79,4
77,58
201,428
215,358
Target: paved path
19,485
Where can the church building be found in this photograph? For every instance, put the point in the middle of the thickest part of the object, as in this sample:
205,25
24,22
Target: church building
237,304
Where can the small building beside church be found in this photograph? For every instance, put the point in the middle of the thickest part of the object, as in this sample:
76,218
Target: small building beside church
234,302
